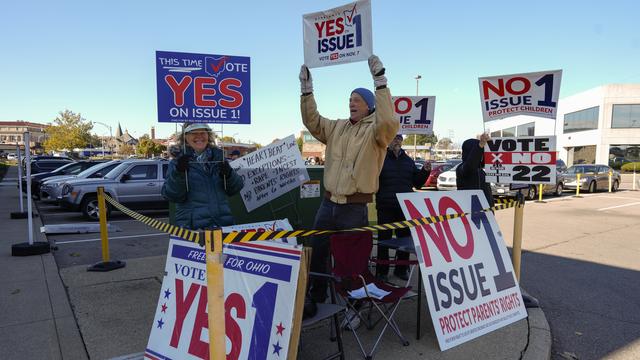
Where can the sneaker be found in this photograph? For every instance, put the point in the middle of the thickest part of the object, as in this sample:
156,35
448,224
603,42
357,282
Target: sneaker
353,322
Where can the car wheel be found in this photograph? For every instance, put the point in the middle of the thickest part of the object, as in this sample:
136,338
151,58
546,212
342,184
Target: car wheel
531,194
89,207
592,187
559,189
615,186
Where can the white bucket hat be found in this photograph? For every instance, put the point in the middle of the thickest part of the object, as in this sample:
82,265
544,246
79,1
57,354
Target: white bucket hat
197,126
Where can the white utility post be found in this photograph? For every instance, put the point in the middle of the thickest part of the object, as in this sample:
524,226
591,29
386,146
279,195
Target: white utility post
27,149
19,155
415,136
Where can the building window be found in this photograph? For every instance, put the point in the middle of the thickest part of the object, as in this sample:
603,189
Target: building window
622,154
625,116
586,119
496,134
582,155
308,138
509,132
527,129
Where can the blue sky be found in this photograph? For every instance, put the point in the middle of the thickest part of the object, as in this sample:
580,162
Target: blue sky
97,57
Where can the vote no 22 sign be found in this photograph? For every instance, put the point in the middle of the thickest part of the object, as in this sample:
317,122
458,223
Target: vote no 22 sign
203,88
521,160
260,281
415,113
469,280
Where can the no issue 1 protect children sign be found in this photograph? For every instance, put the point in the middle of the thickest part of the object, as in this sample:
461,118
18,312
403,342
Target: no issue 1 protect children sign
338,36
203,88
534,94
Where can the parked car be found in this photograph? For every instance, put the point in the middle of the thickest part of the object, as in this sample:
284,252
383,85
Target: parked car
436,170
531,192
71,168
51,188
134,183
36,158
47,165
447,179
12,156
592,178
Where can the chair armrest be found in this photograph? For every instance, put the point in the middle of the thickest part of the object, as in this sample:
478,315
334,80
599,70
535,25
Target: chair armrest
322,275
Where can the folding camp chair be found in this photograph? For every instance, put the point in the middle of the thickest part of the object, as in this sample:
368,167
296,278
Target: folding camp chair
328,311
357,286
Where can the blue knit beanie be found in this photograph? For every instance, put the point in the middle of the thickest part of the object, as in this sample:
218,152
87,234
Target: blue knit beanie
368,97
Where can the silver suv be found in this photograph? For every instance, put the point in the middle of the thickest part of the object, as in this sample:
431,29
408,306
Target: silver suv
133,183
51,188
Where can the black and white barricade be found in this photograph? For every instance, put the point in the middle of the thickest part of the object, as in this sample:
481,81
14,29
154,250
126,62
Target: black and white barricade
260,281
469,279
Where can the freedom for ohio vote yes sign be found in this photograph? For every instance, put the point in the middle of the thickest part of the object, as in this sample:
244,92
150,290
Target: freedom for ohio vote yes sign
521,160
203,88
415,113
339,35
534,94
260,281
469,280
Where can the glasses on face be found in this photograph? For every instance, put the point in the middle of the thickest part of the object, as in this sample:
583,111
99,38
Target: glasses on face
199,133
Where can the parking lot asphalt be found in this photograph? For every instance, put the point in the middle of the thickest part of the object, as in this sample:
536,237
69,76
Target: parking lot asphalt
581,260
545,275
135,240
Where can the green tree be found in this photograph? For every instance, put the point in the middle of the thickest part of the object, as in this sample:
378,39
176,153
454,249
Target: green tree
147,148
444,143
228,139
69,131
421,139
126,150
299,142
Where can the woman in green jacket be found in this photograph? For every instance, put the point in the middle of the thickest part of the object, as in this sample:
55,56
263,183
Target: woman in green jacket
199,180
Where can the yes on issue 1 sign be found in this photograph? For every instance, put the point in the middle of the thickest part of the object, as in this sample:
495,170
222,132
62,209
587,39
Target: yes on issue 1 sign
338,36
469,280
260,281
534,94
415,113
203,88
521,160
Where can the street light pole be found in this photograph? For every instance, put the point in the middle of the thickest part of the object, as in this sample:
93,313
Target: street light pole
415,136
110,137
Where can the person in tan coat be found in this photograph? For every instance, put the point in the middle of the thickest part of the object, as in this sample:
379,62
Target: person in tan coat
355,152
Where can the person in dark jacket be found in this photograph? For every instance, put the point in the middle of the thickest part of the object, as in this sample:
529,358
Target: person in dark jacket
199,180
470,173
399,175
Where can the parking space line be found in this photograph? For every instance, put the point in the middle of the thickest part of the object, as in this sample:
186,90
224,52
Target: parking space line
619,206
110,238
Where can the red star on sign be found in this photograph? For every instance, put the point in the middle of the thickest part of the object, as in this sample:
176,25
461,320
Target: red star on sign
164,308
280,328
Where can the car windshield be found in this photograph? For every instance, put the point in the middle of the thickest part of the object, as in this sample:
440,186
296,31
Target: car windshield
116,171
90,171
581,169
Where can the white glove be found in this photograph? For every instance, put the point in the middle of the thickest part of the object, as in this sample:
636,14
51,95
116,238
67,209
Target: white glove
377,71
306,83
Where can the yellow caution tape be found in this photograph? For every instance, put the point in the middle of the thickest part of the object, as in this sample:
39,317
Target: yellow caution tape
244,236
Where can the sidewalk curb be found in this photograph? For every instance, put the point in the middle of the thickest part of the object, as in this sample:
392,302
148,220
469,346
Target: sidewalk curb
539,345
